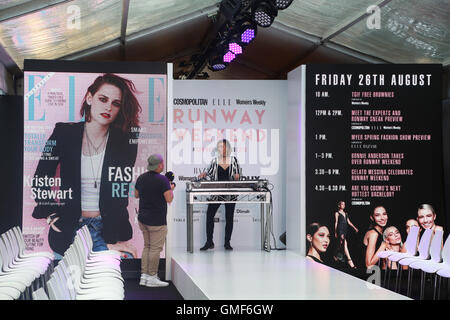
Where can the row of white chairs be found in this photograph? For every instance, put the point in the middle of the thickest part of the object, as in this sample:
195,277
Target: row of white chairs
429,257
20,272
83,274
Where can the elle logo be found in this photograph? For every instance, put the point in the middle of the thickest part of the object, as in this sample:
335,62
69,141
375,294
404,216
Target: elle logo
221,102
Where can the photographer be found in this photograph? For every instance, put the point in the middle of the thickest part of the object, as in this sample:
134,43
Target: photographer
154,192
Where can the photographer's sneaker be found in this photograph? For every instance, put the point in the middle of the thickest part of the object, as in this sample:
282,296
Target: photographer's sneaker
144,278
153,281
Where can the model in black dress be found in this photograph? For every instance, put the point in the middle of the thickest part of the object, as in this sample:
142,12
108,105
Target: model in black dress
342,222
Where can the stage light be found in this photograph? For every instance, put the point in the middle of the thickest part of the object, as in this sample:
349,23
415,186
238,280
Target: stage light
263,13
216,63
235,48
218,66
247,30
229,56
282,4
248,35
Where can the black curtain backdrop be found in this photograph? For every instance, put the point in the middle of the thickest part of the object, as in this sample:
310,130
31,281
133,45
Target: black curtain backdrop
11,126
446,154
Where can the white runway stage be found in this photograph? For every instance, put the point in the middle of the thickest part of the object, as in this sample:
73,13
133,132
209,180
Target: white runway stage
258,275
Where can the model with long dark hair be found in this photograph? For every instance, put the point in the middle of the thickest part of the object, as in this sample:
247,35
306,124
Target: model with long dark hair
374,236
318,240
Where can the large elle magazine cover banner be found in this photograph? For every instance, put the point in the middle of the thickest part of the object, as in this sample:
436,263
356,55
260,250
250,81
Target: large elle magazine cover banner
87,137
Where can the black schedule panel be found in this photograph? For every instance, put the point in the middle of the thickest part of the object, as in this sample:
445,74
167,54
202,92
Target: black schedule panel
373,138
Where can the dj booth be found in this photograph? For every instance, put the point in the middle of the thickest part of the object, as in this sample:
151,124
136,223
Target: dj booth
205,192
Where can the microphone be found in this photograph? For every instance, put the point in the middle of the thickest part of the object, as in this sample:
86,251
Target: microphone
169,175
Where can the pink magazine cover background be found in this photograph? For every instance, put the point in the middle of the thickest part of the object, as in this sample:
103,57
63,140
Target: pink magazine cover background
52,96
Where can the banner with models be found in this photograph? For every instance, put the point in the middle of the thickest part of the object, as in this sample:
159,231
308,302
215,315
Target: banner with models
88,131
373,160
237,120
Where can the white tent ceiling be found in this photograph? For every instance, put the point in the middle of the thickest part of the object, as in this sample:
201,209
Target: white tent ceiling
411,31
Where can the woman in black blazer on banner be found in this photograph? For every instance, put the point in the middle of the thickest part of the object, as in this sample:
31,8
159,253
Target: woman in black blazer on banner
85,153
222,168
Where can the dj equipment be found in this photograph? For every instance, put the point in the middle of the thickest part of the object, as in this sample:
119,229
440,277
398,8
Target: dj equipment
206,192
243,186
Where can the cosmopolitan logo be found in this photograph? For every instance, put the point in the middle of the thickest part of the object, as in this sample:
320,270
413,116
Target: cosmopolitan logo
190,102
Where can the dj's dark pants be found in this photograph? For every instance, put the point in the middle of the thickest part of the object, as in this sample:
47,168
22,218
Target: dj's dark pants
229,215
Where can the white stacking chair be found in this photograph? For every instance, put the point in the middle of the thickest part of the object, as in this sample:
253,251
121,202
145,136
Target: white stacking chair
54,291
16,284
9,292
432,254
96,278
443,273
20,242
90,257
86,275
411,250
104,288
440,259
38,263
94,273
103,263
424,253
40,294
10,263
18,276
17,233
52,295
107,263
86,236
103,284
17,258
60,284
18,280
100,269
5,296
444,269
424,244
42,260
63,283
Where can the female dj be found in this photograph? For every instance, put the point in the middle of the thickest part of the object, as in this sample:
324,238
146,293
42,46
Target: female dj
222,168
